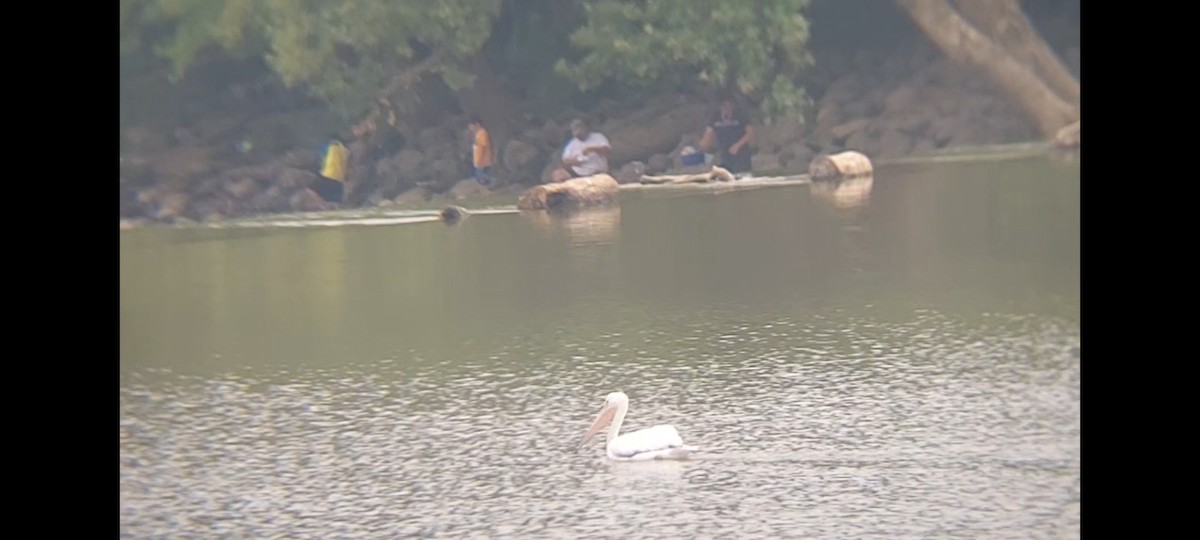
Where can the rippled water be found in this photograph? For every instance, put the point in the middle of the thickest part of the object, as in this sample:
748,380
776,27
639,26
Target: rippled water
907,371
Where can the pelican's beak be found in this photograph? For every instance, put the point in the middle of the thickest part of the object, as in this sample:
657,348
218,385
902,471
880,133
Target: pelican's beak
603,420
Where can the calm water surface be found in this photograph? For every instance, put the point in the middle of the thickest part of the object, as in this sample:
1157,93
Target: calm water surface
907,368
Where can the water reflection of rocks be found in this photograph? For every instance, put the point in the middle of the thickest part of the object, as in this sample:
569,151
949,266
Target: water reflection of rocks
596,225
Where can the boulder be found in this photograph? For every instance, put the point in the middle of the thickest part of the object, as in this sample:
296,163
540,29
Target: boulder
292,179
242,188
900,100
657,164
413,196
629,173
172,205
466,189
760,163
435,136
894,144
306,200
1068,136
408,161
522,159
845,130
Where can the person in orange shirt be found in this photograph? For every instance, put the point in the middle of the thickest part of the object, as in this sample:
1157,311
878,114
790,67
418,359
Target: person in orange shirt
482,150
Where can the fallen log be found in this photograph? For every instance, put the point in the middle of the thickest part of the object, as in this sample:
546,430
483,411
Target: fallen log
586,191
716,174
843,165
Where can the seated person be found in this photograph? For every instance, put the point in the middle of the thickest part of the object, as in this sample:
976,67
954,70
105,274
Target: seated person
730,134
330,184
585,154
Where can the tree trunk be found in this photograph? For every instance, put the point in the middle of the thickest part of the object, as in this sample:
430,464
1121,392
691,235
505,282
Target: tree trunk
840,166
1004,22
573,193
961,42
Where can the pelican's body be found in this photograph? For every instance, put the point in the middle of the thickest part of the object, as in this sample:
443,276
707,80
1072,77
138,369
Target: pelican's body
658,442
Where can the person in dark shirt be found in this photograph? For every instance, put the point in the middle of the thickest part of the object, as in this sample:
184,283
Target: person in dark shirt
730,135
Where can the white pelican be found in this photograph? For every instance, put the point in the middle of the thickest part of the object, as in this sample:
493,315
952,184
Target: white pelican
658,442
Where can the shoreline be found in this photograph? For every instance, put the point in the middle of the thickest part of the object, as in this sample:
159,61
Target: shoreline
428,211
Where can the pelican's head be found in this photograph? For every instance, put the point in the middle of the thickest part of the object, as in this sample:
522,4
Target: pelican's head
612,403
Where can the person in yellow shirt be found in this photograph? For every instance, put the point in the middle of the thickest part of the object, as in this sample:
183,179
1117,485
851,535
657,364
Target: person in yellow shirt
330,184
481,151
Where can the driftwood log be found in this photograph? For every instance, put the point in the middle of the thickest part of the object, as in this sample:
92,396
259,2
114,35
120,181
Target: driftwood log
716,174
840,166
576,192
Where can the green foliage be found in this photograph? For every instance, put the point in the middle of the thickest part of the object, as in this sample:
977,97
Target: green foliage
344,51
755,47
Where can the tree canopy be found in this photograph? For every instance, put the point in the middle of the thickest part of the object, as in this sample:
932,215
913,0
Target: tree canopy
756,48
349,52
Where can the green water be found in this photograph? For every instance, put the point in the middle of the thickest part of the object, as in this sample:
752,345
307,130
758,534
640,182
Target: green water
900,367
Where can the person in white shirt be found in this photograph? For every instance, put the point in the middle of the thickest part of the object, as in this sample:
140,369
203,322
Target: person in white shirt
585,154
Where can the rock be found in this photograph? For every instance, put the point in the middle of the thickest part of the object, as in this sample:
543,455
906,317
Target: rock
413,196
629,173
1068,136
915,122
172,205
183,162
466,189
795,155
783,131
432,137
409,161
242,188
900,100
845,130
129,224
943,130
136,172
292,179
144,140
967,135
444,171
130,205
306,200
760,163
271,200
894,144
923,147
302,159
522,158
829,114
552,134
149,195
858,141
948,107
657,164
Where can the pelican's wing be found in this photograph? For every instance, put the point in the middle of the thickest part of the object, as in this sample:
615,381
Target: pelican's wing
648,441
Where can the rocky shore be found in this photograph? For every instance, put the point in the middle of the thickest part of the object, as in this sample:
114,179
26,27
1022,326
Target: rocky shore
886,106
